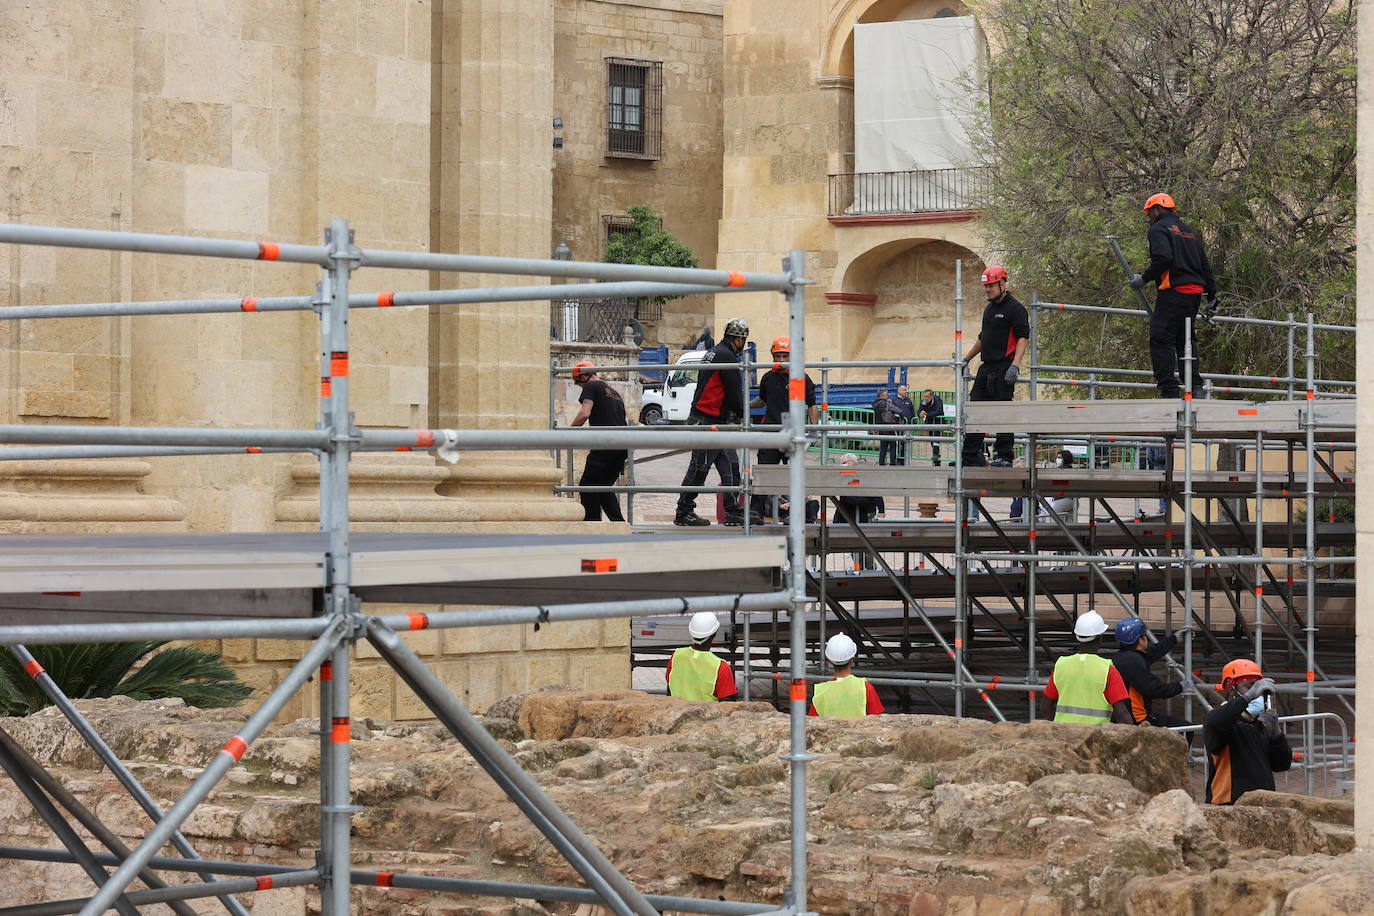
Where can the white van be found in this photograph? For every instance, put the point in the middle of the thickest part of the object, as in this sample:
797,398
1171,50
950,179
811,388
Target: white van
672,401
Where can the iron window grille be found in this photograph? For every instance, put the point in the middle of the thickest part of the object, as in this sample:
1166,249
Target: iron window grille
634,108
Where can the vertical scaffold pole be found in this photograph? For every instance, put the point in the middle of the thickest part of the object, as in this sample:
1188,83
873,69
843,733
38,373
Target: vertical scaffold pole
1259,548
1029,510
1292,334
960,568
795,266
1310,566
746,480
336,810
1187,418
1034,347
825,418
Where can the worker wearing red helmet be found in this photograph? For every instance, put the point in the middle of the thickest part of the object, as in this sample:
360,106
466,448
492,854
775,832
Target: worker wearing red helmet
1243,736
1183,275
601,405
773,398
1001,342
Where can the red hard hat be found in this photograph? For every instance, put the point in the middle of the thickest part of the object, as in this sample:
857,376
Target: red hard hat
1239,668
995,273
781,345
577,374
1159,200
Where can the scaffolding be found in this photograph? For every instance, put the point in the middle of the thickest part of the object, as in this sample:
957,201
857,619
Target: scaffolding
1265,572
330,568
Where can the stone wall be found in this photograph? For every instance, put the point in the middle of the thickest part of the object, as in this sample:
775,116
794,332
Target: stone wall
907,815
684,185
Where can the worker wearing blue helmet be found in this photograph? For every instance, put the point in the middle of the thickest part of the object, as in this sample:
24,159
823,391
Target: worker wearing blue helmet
1133,661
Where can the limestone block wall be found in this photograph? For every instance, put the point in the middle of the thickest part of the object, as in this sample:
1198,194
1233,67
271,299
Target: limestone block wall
684,185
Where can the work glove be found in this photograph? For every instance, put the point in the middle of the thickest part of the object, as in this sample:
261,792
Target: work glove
1136,281
1013,374
1269,721
1209,311
1178,634
1259,689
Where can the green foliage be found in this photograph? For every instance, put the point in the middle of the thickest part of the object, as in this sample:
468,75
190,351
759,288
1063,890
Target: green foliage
647,242
86,670
1242,110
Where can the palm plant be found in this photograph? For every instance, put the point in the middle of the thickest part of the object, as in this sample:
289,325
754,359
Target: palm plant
86,670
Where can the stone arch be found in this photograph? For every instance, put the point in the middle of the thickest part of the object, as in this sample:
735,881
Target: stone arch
837,58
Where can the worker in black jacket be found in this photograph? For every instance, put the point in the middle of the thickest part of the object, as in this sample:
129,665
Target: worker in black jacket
1243,736
1002,342
1183,275
1133,661
719,399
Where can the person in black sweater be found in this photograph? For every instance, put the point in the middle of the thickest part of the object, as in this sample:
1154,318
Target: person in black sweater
601,405
1243,736
1183,275
1133,660
773,398
1002,342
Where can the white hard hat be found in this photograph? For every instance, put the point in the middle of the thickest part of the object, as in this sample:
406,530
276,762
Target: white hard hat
1089,626
703,624
840,649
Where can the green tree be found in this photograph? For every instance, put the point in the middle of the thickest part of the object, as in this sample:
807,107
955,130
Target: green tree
85,670
1243,110
646,242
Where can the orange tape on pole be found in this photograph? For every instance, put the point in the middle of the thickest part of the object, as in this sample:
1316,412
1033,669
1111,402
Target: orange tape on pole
798,691
424,438
326,387
253,450
1311,675
268,251
236,747
32,668
796,389
250,304
338,364
417,621
327,671
339,732
386,300
264,883
384,878
1311,394
736,278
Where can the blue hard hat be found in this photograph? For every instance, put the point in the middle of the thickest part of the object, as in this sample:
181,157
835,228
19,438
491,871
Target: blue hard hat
1129,631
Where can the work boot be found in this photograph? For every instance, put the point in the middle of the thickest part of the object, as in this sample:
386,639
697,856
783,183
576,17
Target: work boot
735,519
690,520
999,463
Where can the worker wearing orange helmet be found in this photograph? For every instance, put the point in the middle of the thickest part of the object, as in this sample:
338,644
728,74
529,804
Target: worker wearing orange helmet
1002,342
1243,736
601,405
773,398
1183,275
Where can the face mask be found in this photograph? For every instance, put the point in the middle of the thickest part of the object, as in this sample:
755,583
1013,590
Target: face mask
1255,706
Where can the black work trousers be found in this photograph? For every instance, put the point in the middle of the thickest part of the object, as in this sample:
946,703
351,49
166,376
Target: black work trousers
1168,334
726,463
763,505
990,384
603,469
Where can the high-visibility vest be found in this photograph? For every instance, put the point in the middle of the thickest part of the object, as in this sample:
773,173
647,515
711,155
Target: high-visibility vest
846,698
694,674
1081,680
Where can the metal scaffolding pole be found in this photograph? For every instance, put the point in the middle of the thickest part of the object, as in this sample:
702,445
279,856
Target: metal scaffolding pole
960,524
214,771
1310,554
179,892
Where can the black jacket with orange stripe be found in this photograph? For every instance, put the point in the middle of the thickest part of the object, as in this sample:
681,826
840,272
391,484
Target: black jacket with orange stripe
1177,256
1240,757
1141,682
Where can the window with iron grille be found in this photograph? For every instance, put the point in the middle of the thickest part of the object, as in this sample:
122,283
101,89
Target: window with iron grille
634,108
614,224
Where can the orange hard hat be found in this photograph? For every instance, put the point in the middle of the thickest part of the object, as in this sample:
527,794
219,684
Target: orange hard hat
1159,200
578,375
1239,668
995,273
781,345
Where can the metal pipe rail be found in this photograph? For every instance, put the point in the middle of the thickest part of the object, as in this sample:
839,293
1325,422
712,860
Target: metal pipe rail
764,364
1206,376
1219,319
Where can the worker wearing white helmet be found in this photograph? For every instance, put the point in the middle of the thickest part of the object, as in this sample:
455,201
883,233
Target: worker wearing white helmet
695,672
1085,687
847,696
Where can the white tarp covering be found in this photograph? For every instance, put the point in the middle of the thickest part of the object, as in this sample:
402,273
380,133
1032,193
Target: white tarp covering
915,83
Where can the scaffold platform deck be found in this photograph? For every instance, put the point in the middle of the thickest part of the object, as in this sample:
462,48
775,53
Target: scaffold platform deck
84,578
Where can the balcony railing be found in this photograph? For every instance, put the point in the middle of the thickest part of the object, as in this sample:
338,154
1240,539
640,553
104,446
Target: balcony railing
598,320
902,193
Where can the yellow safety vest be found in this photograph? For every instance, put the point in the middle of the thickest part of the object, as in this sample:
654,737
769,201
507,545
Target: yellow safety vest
694,674
846,698
1081,680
